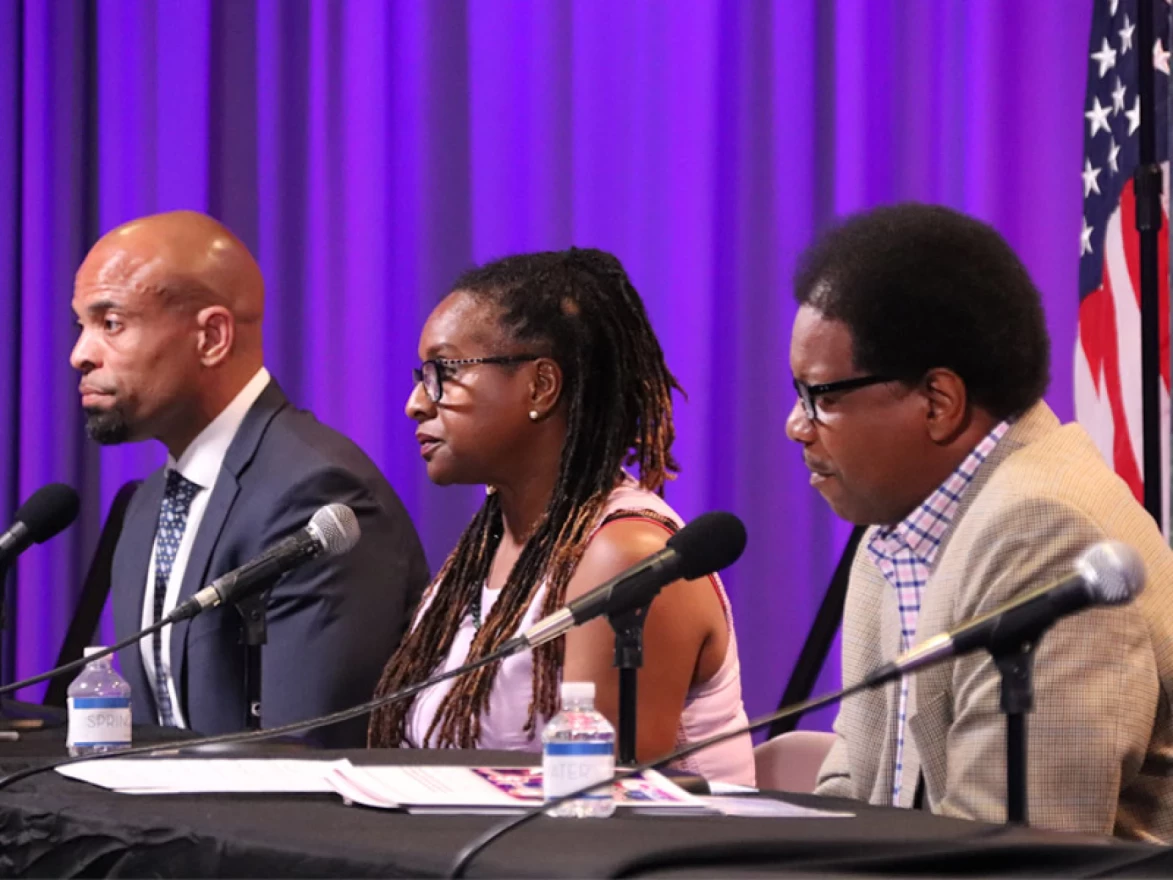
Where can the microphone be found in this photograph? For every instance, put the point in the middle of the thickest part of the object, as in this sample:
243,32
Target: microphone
709,543
50,510
332,531
1107,573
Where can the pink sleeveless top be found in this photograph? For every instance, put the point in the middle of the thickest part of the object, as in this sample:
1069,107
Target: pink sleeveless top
712,707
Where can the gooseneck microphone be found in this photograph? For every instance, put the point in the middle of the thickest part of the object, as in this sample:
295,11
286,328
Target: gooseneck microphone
709,543
694,569
476,846
1107,573
50,510
332,531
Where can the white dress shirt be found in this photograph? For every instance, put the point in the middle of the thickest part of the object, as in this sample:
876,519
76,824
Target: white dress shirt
200,463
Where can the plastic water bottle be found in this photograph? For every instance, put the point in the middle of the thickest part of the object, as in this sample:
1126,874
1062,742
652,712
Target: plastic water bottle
99,709
578,748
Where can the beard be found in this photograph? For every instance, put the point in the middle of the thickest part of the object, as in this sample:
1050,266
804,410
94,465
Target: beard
107,427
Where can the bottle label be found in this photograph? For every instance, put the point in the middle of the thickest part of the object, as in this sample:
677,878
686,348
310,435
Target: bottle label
99,721
569,766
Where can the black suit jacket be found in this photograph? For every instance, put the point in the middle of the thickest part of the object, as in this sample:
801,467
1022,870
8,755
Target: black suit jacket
332,623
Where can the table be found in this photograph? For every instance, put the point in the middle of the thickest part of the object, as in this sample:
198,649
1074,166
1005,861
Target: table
52,826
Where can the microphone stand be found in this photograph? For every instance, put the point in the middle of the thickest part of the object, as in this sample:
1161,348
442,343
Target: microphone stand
629,657
1016,664
5,722
10,720
3,619
254,634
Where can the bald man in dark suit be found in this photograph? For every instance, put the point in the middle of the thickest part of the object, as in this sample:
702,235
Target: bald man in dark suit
170,310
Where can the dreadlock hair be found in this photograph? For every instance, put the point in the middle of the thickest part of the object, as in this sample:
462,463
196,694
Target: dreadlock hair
580,308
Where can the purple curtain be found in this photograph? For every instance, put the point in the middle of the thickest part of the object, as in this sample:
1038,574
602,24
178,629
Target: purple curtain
370,150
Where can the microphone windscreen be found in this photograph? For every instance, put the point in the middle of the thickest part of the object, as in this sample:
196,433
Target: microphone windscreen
337,527
1114,572
709,543
51,509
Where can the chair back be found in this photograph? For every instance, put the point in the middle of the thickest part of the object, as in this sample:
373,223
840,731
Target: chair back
820,638
93,595
791,762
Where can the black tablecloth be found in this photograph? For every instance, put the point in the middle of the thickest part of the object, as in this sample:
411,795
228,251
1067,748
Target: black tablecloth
53,826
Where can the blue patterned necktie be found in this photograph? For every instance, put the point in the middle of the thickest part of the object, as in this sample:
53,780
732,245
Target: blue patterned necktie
177,498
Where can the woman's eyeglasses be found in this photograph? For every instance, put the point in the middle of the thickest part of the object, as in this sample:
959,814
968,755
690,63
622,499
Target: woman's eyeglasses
430,373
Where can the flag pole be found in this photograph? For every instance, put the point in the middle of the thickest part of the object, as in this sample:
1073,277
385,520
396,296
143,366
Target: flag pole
1147,185
1169,286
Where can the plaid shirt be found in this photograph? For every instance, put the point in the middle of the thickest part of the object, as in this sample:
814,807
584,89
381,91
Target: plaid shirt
905,554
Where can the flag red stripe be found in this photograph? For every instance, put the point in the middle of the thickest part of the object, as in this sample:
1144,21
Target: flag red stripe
1097,334
1131,241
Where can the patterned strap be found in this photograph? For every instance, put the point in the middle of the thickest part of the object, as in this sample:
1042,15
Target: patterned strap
658,518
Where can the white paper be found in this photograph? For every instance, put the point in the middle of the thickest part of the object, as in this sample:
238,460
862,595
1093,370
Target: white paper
357,788
204,775
730,788
469,789
768,808
419,786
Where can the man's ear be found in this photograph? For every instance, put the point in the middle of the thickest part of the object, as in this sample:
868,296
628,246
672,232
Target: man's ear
947,413
217,334
545,388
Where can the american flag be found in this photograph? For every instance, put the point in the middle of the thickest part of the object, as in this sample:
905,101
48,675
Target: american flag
1107,355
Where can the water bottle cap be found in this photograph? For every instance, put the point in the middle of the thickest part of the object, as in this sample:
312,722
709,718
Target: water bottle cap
578,690
94,649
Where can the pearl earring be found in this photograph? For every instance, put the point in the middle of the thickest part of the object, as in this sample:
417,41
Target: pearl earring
533,415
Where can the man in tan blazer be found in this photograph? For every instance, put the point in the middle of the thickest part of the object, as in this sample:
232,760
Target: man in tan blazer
920,355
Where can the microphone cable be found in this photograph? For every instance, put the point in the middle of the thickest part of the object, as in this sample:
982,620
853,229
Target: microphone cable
472,850
1110,573
332,531
82,661
246,736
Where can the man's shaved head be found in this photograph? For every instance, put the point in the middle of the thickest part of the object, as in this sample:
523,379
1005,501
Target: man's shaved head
188,257
170,308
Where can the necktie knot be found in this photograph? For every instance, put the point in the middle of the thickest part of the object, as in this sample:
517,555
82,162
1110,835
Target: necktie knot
180,488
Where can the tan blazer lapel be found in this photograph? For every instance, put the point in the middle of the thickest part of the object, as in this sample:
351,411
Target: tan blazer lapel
928,731
930,694
871,636
889,638
930,697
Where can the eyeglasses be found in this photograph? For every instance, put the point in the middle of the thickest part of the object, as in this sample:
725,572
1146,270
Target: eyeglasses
808,393
430,373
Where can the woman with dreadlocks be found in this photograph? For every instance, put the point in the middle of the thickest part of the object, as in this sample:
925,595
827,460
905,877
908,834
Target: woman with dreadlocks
542,378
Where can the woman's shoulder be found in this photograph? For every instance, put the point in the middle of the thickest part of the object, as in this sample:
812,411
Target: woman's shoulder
633,524
628,497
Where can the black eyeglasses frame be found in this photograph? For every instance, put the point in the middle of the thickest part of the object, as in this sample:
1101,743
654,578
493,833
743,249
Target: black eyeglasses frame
430,374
